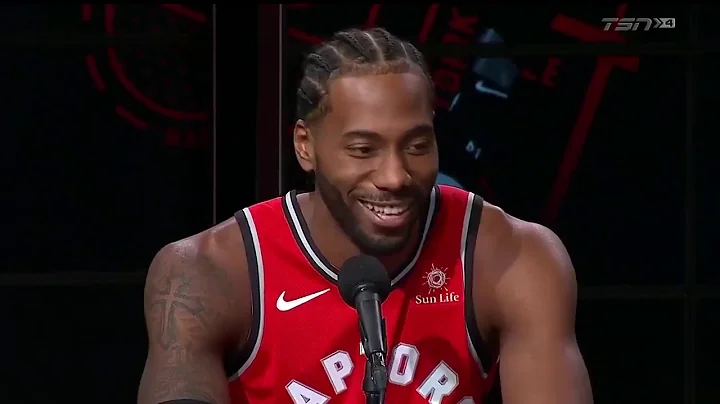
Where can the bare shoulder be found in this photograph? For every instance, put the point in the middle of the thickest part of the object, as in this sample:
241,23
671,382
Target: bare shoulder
216,252
520,264
506,242
202,277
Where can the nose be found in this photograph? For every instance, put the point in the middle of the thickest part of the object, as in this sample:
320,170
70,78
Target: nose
391,174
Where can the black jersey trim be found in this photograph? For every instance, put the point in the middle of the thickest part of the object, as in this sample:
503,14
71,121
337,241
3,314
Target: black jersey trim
478,347
238,362
301,233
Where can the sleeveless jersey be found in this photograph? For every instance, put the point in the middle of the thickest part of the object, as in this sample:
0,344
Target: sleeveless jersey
305,345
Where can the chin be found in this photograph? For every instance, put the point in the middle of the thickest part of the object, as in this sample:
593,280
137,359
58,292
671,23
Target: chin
381,244
383,249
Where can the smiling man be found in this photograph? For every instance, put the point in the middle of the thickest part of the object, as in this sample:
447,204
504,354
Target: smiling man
475,293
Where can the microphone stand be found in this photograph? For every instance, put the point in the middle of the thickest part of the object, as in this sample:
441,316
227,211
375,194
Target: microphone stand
375,381
376,374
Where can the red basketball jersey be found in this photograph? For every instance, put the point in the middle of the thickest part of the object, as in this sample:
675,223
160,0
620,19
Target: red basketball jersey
305,343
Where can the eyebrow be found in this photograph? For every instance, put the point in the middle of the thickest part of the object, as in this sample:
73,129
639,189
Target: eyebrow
420,129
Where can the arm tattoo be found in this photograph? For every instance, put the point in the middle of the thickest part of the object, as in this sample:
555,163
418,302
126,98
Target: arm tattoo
184,377
187,300
185,295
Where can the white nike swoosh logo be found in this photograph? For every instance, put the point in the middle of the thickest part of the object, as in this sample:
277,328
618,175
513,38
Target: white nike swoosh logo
481,87
283,305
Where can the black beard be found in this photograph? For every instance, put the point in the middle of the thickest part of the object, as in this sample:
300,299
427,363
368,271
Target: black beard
372,245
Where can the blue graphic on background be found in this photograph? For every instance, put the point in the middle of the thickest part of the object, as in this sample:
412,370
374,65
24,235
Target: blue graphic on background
475,107
496,74
443,179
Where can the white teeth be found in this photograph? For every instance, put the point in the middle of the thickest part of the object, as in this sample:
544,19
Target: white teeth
386,210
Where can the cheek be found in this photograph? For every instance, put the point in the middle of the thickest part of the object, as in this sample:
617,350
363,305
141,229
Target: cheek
342,177
424,169
349,170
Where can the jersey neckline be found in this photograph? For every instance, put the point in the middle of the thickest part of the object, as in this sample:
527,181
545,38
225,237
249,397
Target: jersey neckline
301,233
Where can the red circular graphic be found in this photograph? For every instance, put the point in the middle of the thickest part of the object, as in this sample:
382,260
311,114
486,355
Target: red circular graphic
170,85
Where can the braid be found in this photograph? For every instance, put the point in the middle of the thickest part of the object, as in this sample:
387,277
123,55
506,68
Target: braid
354,39
389,42
317,60
352,51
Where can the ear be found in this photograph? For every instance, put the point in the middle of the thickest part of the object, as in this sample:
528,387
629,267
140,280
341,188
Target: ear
304,147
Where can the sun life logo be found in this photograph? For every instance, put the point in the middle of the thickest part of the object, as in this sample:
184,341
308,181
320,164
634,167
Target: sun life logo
436,279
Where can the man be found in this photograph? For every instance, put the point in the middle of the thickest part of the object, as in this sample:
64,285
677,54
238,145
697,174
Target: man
475,292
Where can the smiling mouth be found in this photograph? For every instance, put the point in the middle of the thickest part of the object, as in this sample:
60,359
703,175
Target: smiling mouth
385,210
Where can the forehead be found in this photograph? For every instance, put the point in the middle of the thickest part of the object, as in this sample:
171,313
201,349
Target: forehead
379,102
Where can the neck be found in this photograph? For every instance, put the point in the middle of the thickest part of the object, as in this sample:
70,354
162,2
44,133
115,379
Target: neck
336,245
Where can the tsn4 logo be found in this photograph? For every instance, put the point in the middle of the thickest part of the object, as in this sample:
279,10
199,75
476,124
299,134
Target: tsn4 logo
632,24
440,383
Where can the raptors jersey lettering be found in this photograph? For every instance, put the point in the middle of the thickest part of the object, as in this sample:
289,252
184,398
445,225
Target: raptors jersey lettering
305,343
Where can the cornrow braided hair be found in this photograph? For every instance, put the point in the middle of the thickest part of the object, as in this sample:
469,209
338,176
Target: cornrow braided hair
352,51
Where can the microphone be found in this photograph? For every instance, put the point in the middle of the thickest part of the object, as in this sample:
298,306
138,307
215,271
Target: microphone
364,284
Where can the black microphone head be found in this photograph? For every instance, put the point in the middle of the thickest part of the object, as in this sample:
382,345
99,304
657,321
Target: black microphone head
362,270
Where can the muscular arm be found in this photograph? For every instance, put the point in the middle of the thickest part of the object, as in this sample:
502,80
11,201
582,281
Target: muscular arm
540,362
525,294
190,312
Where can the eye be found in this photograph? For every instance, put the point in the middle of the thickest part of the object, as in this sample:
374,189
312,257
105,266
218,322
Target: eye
419,147
360,150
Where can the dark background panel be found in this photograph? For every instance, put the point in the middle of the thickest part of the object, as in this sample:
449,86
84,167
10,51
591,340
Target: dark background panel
90,347
624,216
633,350
707,351
87,342
103,134
237,104
709,30
707,169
